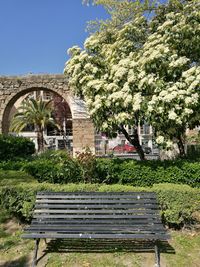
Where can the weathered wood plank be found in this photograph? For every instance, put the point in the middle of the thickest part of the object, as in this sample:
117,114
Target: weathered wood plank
98,201
98,206
98,236
95,221
93,211
110,196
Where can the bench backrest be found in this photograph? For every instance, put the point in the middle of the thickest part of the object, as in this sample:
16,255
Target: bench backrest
139,210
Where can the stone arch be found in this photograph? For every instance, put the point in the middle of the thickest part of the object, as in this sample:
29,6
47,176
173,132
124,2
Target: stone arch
12,87
10,101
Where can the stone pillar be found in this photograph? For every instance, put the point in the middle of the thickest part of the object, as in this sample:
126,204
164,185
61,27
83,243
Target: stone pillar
83,135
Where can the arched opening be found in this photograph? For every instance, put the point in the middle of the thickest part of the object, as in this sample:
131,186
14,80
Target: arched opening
54,137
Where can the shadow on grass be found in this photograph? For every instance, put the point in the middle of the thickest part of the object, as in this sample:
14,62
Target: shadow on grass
21,262
105,246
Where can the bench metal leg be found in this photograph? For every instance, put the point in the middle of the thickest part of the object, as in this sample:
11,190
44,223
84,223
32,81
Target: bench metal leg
37,241
157,256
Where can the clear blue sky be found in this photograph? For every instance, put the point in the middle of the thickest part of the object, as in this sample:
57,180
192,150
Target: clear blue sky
35,34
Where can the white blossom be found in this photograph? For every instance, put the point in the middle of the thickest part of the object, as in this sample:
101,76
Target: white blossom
160,139
172,115
188,111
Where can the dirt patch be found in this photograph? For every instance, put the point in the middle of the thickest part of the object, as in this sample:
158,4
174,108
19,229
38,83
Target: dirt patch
12,226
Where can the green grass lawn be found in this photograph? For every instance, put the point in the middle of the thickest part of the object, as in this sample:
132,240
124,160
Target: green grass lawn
15,251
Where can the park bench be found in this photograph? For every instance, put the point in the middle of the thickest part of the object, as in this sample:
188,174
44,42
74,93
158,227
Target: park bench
131,217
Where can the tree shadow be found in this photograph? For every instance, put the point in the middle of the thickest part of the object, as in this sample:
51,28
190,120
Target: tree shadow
20,262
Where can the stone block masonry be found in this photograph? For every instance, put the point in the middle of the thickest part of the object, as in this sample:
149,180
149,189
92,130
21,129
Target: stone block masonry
13,87
83,135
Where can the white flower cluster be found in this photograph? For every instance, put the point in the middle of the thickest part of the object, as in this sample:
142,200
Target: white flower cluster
160,139
137,100
165,143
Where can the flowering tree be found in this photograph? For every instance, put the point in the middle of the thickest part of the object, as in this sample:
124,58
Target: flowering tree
99,73
169,61
145,70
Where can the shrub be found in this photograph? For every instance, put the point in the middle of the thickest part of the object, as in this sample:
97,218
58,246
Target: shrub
177,202
134,174
54,155
87,161
147,173
13,147
12,165
55,167
107,170
19,200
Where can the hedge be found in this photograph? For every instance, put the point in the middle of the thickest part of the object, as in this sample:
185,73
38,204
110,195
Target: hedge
147,173
13,147
56,169
177,202
59,167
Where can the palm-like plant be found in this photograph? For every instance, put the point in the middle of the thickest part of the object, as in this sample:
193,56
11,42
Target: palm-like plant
35,112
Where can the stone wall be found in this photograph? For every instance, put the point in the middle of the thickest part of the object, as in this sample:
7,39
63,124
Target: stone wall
13,87
83,135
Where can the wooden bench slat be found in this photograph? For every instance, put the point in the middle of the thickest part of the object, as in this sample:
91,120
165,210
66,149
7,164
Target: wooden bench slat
95,230
102,211
137,196
96,221
98,206
143,232
97,201
98,236
49,193
85,216
98,227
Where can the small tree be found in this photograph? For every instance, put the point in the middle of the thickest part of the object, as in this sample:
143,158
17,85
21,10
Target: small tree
35,112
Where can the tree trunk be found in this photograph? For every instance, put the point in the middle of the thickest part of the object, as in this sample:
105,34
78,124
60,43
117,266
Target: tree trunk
134,140
40,139
181,147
